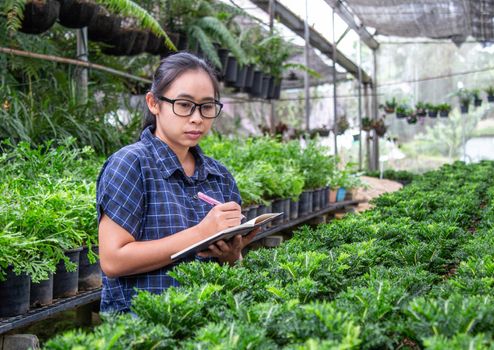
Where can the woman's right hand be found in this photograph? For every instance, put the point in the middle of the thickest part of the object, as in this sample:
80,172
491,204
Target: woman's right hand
220,217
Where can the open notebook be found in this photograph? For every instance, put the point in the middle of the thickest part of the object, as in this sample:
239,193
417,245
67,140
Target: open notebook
242,229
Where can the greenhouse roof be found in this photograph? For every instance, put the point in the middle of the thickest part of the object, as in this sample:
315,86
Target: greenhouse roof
437,19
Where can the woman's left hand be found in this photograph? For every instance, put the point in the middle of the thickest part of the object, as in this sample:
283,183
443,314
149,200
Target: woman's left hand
229,251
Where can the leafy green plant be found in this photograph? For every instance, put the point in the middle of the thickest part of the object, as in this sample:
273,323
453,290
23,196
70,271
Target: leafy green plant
201,23
390,105
421,108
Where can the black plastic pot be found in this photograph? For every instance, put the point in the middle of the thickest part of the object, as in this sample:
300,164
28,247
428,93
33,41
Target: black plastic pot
267,82
432,114
122,42
76,13
231,71
42,292
256,89
305,203
14,294
443,114
278,206
477,102
294,205
262,209
252,212
326,196
153,44
286,210
65,283
223,56
39,17
276,91
241,77
490,98
103,26
267,209
322,201
140,43
89,274
316,199
249,78
464,109
401,115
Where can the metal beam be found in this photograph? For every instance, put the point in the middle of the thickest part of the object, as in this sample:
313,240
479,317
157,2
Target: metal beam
296,24
348,17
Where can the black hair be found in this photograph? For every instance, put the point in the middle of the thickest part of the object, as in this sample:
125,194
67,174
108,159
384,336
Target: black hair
169,69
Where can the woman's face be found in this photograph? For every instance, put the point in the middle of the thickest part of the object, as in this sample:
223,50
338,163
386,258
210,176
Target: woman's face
180,133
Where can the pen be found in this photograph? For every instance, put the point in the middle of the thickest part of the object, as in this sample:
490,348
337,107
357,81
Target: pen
210,200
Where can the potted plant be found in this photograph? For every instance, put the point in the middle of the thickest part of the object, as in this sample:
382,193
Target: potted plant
30,16
421,109
77,13
200,22
432,110
412,119
403,111
490,93
323,131
342,125
477,100
379,126
366,124
444,109
390,105
465,97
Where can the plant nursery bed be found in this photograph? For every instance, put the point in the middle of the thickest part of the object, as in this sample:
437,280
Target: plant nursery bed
291,223
38,314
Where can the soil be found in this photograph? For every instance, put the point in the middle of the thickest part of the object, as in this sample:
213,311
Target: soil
376,187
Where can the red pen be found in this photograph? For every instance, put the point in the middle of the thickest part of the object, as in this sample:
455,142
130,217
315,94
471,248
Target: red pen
210,200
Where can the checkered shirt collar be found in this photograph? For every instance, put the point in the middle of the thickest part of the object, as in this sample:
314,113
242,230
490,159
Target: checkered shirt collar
168,161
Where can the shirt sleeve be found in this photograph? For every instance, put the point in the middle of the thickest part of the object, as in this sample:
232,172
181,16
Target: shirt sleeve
120,192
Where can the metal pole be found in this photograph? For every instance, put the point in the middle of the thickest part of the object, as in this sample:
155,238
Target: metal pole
463,143
306,74
272,4
335,127
359,105
375,139
81,73
368,133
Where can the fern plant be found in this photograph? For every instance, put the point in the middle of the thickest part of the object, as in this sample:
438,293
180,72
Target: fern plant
201,23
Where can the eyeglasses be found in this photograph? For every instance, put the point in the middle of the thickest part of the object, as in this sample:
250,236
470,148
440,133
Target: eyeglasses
185,108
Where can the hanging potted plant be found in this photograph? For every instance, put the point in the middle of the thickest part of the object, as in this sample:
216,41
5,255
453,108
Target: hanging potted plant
412,119
342,125
103,25
421,109
30,16
322,131
432,110
200,23
490,93
390,105
465,97
477,100
366,124
379,126
444,109
77,13
403,111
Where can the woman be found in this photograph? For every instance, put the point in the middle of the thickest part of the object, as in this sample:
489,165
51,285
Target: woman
146,192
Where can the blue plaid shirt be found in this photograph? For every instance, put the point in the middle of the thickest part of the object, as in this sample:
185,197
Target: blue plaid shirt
144,189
